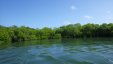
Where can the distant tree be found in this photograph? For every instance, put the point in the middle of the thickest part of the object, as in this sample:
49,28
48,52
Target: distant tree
15,33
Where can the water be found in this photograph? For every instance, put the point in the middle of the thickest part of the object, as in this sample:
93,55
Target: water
61,51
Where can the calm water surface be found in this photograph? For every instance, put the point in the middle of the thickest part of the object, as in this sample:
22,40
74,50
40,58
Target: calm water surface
61,51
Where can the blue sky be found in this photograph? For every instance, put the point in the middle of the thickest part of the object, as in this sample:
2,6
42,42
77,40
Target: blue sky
55,13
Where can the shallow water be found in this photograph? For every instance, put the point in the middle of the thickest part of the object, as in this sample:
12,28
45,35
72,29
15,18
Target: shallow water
61,51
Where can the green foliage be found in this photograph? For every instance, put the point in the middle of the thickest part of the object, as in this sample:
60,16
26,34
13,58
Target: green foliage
87,30
57,36
4,34
23,33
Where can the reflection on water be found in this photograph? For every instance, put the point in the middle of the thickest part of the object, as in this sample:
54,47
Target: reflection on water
65,51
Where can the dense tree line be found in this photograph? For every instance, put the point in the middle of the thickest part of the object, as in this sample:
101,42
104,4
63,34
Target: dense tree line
87,30
23,33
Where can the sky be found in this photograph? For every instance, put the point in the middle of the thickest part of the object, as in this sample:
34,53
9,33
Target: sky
54,13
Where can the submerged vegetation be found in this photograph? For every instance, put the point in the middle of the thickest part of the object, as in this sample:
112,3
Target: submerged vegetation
23,33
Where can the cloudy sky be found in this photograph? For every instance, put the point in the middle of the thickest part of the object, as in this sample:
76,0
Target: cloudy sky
55,13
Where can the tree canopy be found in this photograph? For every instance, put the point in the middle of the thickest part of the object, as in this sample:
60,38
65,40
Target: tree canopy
23,33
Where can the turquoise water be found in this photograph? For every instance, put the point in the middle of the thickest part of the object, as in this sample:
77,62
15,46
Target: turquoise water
61,51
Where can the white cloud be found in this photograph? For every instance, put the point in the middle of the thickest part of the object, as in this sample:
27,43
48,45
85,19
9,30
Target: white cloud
88,17
73,7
